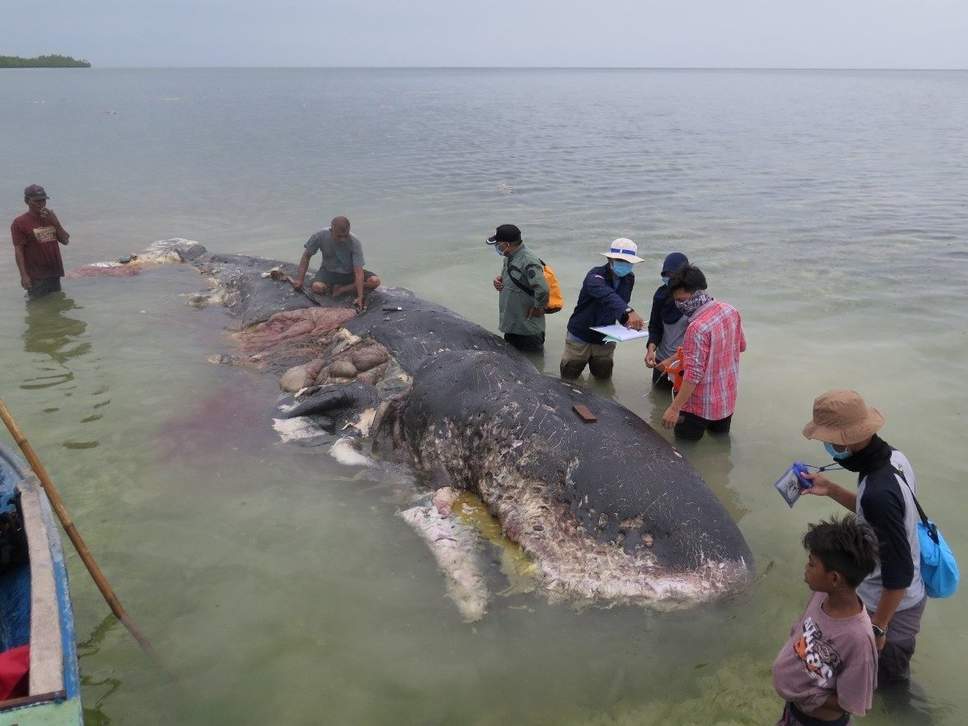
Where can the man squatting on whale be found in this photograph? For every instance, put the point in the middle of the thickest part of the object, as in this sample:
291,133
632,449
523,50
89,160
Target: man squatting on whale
341,268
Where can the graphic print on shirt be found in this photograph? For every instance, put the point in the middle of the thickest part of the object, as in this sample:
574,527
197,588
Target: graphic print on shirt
819,656
45,234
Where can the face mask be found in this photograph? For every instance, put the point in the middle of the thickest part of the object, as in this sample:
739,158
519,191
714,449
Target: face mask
665,280
692,304
621,268
499,253
836,455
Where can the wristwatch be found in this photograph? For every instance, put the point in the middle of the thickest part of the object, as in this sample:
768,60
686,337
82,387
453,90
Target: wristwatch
879,632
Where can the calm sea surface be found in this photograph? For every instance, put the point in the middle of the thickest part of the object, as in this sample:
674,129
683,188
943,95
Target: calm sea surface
277,584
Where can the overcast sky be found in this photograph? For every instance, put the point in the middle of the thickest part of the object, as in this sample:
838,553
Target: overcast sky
677,33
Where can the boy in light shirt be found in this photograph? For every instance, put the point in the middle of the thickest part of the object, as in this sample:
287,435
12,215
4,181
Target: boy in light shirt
827,670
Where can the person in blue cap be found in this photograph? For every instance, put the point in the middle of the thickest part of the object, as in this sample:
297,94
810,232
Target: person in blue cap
667,324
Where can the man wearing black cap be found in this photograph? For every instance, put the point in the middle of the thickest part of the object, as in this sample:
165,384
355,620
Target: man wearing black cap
523,289
37,235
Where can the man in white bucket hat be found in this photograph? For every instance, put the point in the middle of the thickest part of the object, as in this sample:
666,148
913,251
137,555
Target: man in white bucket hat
604,300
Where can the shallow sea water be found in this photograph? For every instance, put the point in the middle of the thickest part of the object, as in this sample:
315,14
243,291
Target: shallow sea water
278,585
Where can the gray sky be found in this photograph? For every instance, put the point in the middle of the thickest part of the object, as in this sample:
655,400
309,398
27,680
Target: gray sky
715,33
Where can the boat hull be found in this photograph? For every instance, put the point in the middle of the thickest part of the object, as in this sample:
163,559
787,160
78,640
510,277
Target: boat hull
35,607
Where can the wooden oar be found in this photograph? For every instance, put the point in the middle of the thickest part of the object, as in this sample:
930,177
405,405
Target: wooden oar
65,519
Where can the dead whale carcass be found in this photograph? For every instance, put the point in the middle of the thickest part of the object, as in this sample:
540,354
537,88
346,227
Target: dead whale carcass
608,512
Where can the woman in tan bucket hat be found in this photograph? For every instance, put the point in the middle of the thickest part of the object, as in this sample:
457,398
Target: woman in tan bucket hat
894,593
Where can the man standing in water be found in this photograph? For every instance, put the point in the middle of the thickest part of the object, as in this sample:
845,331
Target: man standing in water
667,324
894,593
523,291
603,300
711,347
341,268
37,235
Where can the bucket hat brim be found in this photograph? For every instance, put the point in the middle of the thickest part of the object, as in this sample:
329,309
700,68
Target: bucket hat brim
873,422
618,256
623,249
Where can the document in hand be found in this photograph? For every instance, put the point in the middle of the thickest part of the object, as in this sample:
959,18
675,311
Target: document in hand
620,333
789,486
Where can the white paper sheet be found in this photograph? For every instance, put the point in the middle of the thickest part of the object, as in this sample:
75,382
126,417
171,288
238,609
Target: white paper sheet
620,333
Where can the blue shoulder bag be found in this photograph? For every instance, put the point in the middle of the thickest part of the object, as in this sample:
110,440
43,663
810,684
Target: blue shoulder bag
939,568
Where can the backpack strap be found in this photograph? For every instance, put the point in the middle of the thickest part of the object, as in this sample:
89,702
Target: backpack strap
527,290
924,517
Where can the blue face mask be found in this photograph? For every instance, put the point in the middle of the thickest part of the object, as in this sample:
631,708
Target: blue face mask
621,268
499,253
836,455
665,279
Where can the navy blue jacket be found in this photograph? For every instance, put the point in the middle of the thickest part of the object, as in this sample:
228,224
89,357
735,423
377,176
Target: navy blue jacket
600,304
664,311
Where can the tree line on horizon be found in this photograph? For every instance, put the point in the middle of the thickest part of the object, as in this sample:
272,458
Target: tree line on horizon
42,61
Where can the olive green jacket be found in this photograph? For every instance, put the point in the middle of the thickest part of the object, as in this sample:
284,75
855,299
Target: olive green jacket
514,302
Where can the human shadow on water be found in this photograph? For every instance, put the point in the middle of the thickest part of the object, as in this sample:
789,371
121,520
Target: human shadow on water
537,358
145,675
711,455
604,387
910,704
56,341
49,332
104,687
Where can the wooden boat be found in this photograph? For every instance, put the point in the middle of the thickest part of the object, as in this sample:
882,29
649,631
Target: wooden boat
35,607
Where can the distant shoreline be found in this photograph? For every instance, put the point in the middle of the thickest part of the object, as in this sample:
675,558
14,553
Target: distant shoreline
42,61
59,61
687,69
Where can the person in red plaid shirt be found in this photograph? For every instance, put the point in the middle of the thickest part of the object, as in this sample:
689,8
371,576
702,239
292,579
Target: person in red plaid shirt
711,348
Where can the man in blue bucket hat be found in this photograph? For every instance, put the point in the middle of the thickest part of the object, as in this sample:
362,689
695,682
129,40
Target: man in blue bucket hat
894,593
